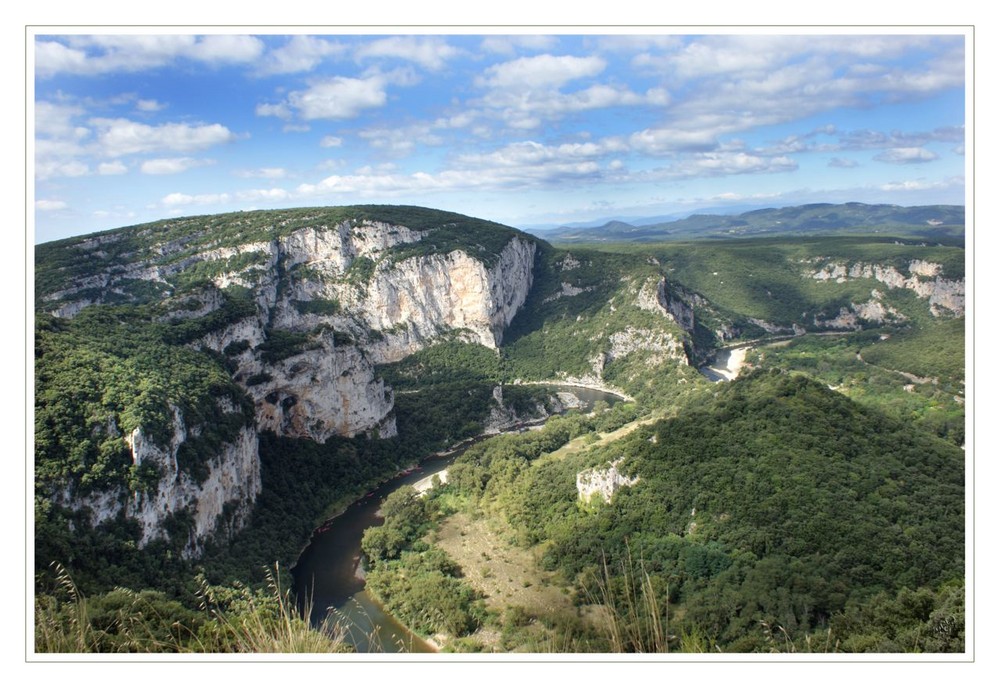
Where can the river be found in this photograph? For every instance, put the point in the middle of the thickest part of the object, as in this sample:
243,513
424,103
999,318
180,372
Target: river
329,574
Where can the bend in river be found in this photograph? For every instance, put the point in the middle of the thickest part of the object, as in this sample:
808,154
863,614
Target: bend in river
329,573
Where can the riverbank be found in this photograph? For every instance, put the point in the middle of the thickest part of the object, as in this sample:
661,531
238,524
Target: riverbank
582,383
326,571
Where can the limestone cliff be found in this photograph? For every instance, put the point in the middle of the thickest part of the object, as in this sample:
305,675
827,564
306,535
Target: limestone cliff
602,482
219,501
944,296
300,306
336,289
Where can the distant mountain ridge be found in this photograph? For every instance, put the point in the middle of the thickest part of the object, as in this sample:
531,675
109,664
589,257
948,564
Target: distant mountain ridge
935,222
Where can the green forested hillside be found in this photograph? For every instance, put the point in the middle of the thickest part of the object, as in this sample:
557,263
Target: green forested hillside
774,502
820,495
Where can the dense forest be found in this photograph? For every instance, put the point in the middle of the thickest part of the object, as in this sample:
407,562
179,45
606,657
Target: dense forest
815,503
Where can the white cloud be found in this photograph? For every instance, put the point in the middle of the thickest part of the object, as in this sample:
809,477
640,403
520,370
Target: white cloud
540,71
48,205
672,140
843,163
511,45
123,137
530,154
112,168
339,97
736,83
528,109
923,184
226,48
906,156
299,54
402,140
263,195
429,53
53,168
331,142
149,105
56,120
273,110
723,163
102,54
171,165
176,199
264,173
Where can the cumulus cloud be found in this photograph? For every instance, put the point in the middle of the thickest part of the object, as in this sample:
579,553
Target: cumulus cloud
748,81
48,205
331,142
842,163
56,168
275,194
337,98
178,199
670,140
511,45
402,140
148,105
171,165
430,53
56,120
102,54
264,173
724,163
124,137
528,109
906,156
540,71
529,154
112,168
273,110
299,54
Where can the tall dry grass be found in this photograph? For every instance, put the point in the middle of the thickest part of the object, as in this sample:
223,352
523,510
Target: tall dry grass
239,620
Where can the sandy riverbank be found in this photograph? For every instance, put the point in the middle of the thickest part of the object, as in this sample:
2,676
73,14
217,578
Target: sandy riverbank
731,369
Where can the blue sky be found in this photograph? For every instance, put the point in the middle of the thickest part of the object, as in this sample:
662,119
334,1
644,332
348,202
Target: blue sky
527,129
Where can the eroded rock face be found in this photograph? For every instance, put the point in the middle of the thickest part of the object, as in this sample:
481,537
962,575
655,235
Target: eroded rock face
346,304
944,296
873,311
222,501
602,482
427,295
327,391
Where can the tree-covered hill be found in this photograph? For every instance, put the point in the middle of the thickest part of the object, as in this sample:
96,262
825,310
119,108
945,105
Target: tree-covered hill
774,503
821,492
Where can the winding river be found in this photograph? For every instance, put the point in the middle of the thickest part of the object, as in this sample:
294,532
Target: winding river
329,573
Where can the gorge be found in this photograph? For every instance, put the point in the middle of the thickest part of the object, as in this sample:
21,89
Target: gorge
209,390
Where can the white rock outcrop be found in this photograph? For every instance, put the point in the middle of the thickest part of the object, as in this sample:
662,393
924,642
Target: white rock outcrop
431,294
221,502
602,482
944,296
324,382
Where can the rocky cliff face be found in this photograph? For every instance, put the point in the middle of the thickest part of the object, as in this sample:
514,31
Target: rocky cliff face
602,482
413,302
340,292
302,318
944,296
221,501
